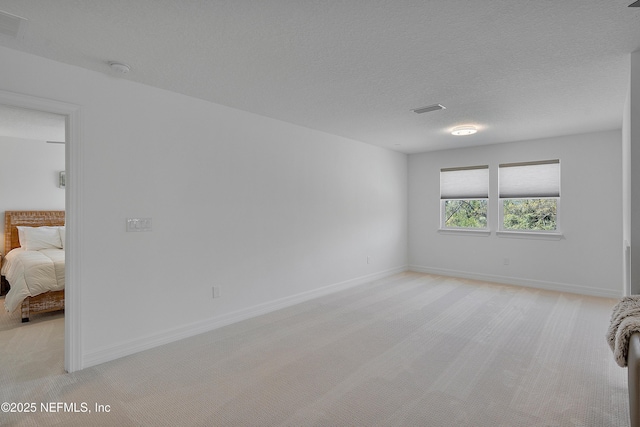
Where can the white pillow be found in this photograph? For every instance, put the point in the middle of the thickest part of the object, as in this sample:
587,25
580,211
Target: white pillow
36,238
21,238
61,231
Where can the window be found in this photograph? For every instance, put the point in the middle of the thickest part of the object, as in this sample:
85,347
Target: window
463,197
529,196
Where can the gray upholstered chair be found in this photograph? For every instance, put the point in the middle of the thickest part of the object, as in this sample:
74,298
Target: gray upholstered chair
633,363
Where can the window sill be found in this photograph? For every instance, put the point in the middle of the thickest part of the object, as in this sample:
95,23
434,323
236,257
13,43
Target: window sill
464,231
530,235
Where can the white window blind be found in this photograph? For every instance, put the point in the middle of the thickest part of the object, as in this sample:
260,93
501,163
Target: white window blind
529,180
464,183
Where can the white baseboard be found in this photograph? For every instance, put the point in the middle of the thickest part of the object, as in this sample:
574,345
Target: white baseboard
108,353
539,284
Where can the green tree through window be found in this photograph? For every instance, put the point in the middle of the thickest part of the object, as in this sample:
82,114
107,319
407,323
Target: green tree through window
530,214
466,213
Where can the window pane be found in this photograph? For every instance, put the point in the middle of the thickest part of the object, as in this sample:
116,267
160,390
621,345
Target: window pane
530,214
465,213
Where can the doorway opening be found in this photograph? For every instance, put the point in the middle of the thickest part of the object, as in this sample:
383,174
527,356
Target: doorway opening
32,200
71,169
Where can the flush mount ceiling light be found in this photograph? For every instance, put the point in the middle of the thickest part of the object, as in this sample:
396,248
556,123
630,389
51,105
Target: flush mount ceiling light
464,130
119,67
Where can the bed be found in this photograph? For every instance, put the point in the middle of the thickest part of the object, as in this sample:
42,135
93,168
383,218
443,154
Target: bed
36,277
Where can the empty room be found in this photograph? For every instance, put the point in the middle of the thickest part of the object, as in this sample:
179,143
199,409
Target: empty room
327,213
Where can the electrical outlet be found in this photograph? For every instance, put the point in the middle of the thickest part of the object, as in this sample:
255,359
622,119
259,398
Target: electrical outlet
506,261
368,260
215,291
138,224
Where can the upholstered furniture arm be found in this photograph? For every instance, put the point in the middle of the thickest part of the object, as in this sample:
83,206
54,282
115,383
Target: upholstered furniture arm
633,363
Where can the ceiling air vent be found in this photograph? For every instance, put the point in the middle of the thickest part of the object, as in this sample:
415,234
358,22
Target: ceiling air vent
11,25
635,4
429,108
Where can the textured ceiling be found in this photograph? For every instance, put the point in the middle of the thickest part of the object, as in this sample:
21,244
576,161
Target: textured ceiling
518,69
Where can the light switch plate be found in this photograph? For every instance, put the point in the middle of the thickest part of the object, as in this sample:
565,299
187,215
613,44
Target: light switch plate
138,224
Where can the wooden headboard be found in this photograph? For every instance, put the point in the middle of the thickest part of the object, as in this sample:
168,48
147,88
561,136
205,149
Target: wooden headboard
12,219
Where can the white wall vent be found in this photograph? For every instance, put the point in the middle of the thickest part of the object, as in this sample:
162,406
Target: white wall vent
428,108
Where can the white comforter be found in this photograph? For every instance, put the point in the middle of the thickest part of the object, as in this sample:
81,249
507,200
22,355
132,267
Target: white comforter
31,273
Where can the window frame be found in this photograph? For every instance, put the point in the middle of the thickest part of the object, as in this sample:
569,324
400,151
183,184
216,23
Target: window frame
514,232
462,230
530,233
443,228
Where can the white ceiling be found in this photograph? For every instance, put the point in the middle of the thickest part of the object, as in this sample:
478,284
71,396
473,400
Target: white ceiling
518,69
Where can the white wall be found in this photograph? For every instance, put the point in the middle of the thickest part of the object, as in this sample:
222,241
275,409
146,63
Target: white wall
29,173
587,260
271,212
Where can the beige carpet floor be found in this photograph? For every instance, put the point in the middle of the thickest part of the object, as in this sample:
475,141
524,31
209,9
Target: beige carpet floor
30,350
409,350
